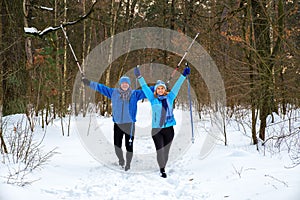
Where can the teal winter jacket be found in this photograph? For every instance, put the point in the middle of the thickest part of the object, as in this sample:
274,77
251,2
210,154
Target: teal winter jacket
157,105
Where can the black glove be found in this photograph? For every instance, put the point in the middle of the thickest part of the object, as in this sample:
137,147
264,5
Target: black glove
85,81
137,72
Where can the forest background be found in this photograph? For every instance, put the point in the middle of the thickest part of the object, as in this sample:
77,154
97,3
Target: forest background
255,45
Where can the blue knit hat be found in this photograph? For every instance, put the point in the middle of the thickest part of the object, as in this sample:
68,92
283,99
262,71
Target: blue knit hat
160,83
124,79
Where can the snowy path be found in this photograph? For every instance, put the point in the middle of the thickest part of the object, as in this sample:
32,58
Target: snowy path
233,172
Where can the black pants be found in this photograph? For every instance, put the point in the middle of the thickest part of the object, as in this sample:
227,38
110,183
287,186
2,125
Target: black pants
119,131
162,140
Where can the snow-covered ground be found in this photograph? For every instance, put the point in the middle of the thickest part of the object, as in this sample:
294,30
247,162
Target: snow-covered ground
237,171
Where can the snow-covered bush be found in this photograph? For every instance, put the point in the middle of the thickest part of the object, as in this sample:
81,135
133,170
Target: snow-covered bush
25,154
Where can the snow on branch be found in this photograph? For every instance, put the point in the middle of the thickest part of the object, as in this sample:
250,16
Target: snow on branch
46,8
40,33
34,31
43,8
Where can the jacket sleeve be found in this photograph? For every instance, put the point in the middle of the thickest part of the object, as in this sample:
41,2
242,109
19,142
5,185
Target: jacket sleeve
146,89
141,95
174,91
102,89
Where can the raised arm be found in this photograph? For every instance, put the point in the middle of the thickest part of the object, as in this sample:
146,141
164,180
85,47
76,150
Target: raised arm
174,91
146,89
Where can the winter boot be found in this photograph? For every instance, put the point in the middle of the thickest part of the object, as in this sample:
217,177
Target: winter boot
163,173
121,163
127,167
128,160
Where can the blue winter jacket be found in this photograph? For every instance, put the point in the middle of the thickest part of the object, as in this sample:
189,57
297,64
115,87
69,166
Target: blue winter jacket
123,111
157,104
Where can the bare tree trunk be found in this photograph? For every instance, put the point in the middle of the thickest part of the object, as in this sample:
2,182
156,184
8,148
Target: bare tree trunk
126,18
114,14
28,43
263,43
188,16
83,60
64,73
2,142
173,15
86,47
28,40
278,50
128,23
271,13
107,73
132,11
57,56
250,40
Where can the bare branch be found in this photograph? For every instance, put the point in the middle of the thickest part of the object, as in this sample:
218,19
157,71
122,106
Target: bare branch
36,32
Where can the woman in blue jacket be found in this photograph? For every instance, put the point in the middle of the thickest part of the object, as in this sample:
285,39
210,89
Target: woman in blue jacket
162,115
124,108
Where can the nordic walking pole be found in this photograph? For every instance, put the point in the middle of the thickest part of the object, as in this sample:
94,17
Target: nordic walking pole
131,128
76,60
190,101
185,53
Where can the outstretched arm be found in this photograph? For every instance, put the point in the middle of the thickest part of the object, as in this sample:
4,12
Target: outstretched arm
102,89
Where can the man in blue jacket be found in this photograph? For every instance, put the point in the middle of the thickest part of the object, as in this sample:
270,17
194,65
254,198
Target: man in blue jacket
124,108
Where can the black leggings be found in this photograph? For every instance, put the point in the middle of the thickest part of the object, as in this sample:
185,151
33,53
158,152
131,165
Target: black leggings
119,131
162,140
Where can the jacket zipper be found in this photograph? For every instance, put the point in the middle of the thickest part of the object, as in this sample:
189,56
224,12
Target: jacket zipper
122,112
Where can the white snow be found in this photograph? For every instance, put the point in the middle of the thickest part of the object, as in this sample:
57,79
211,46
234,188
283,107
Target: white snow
36,31
46,8
30,30
47,29
237,171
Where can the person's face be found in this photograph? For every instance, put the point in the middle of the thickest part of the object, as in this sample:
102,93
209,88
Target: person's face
160,90
124,86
